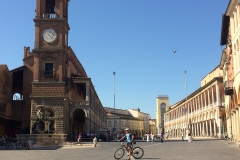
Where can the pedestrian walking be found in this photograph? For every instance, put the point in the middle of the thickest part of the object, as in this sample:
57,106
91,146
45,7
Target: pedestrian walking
147,137
152,137
79,137
182,136
189,137
161,137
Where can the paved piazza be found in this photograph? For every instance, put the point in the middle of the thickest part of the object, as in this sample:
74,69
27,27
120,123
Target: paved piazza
172,150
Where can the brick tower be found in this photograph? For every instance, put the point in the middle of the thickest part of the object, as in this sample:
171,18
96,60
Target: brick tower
49,111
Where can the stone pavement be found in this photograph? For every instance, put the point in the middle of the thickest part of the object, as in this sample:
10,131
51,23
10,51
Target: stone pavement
207,149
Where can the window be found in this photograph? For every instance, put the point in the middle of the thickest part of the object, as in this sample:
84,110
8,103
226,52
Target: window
110,123
49,71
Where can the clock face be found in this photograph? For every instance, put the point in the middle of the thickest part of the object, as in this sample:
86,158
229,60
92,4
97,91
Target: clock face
49,35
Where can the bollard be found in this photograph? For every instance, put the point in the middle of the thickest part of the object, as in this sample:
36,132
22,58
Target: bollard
30,144
94,142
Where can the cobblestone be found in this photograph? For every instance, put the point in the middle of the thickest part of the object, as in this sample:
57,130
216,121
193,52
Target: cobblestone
174,149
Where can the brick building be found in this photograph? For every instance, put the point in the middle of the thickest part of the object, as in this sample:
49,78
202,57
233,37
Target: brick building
59,97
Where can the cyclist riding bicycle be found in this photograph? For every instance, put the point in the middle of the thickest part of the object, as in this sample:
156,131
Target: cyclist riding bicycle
129,137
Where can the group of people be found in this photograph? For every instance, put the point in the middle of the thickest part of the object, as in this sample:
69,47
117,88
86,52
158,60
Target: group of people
152,137
189,137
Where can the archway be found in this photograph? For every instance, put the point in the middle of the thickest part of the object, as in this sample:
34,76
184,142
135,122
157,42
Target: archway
79,121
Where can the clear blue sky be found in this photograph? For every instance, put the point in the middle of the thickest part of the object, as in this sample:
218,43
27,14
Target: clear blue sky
134,38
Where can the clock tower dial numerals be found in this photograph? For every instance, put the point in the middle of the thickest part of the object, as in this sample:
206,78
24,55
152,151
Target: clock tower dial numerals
49,35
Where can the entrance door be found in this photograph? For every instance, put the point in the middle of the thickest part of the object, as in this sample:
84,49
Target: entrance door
78,121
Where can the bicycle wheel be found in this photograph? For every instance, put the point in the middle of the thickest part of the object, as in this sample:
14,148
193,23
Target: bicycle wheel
8,145
119,153
26,146
137,152
19,146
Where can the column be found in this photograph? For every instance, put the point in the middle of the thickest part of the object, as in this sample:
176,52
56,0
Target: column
205,101
87,92
220,128
87,125
209,102
60,67
212,96
203,129
197,131
218,95
210,127
36,67
237,124
61,9
214,127
207,129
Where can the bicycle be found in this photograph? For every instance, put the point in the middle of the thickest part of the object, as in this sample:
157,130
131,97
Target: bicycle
21,145
137,152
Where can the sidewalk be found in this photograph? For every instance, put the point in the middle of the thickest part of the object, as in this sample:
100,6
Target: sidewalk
66,145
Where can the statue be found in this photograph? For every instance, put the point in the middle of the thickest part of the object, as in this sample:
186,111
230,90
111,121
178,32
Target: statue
40,114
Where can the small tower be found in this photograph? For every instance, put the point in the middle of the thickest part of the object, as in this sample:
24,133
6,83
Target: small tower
162,107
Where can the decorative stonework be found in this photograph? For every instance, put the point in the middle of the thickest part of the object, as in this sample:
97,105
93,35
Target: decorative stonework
41,114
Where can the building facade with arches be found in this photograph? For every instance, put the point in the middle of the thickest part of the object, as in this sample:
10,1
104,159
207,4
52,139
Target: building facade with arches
230,65
202,113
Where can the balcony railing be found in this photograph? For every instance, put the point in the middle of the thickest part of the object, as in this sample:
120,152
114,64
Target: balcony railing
49,15
228,87
79,102
48,73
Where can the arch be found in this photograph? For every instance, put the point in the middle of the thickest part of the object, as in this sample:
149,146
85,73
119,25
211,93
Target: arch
17,96
75,108
163,105
79,121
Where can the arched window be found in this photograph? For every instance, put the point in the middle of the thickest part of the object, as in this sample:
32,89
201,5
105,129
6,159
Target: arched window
17,96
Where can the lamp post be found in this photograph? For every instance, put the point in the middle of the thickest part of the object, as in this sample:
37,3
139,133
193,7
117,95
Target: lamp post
186,110
114,104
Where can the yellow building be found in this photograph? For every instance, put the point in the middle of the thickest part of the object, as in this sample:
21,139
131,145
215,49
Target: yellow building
230,64
152,126
162,107
201,113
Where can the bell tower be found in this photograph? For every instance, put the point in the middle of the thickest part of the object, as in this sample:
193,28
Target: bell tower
49,111
51,24
162,106
51,39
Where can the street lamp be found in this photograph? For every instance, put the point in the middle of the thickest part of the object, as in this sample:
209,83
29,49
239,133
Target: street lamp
186,110
114,104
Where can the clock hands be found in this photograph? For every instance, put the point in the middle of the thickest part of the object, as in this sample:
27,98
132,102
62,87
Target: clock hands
50,36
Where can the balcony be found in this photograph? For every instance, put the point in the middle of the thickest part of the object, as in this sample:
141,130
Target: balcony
79,103
228,87
48,73
50,15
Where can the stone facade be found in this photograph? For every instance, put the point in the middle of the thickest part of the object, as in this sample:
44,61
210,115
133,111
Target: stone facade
125,119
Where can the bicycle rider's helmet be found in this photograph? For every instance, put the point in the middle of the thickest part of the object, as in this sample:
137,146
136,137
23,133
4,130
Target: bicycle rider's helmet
127,129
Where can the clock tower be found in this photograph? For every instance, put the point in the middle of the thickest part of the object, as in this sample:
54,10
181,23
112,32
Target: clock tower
49,110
